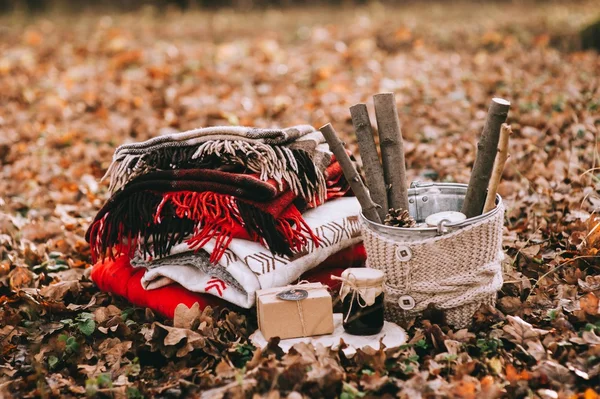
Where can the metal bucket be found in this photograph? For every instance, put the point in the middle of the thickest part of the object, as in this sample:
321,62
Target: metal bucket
455,266
425,199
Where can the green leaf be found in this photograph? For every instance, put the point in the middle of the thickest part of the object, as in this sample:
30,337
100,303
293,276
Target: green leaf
125,314
134,393
104,380
349,392
91,387
87,327
422,344
72,345
85,316
413,358
52,362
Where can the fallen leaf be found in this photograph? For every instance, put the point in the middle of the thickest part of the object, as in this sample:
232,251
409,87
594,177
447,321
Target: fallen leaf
187,317
57,291
589,304
520,332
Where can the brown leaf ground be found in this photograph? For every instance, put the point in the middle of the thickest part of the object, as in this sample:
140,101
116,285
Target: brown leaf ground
74,87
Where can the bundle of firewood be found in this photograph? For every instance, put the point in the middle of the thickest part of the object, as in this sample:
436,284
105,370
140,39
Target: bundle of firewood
386,198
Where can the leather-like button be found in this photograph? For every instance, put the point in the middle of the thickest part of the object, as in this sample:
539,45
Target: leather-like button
403,253
406,302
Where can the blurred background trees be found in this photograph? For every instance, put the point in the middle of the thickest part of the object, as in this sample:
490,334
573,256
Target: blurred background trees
587,38
37,6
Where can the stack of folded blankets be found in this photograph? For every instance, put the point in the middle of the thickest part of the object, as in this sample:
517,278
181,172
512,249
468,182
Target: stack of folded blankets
223,211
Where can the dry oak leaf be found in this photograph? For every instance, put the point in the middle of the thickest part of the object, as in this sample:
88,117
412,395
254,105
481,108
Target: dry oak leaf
113,350
589,304
590,394
105,313
58,291
587,338
182,340
467,388
373,382
224,370
520,331
187,317
20,277
512,375
557,373
489,388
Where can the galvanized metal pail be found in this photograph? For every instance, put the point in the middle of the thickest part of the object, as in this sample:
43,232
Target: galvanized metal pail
425,199
454,266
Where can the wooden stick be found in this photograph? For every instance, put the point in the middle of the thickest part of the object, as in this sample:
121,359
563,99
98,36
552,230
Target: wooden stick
484,161
370,159
369,208
490,201
392,149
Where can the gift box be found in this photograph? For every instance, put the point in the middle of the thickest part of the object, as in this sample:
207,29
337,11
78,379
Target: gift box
294,311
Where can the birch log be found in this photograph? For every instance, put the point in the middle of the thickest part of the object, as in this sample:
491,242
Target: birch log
369,208
370,158
392,150
490,201
487,147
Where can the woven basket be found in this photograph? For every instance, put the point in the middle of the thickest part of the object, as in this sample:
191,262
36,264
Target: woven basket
457,271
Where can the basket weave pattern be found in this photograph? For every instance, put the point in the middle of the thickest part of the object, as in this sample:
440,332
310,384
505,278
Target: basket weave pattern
457,272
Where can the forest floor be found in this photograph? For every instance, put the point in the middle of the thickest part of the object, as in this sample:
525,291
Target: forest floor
72,88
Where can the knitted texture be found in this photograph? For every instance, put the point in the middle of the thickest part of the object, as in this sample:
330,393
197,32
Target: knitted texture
456,272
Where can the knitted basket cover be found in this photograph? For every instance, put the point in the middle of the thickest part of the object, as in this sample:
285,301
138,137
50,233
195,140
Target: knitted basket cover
456,272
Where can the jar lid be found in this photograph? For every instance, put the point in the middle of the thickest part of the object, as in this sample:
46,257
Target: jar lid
364,276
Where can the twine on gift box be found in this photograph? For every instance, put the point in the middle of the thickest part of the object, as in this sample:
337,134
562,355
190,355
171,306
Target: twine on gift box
351,281
299,305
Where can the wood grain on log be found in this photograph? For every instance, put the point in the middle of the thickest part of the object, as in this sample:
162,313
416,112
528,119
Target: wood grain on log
490,201
487,147
369,208
392,150
369,156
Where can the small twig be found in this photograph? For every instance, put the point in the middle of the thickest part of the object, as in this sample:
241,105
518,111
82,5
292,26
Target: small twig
543,276
501,157
369,208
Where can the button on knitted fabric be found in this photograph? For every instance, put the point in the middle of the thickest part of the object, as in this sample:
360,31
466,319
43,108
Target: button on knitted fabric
456,272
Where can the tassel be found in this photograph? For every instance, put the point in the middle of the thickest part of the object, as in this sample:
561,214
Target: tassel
264,226
214,215
153,224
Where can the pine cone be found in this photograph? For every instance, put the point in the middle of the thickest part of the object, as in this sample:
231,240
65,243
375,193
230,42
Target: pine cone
399,218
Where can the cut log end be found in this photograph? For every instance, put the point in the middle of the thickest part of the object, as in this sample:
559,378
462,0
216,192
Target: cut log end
501,101
383,95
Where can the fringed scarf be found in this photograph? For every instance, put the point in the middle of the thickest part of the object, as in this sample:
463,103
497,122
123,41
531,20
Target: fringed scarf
155,222
294,156
161,209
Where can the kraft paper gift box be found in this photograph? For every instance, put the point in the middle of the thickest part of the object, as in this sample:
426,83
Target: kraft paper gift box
289,318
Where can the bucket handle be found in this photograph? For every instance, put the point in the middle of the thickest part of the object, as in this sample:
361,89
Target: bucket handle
441,227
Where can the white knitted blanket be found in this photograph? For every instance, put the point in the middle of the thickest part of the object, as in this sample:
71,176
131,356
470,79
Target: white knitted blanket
248,266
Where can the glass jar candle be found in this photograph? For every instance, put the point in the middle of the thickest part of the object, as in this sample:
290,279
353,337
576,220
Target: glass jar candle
362,298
